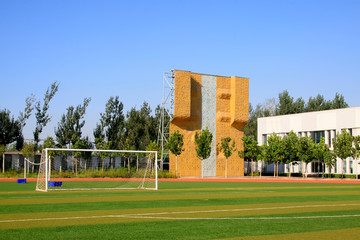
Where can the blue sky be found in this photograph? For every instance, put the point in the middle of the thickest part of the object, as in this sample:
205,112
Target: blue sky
119,48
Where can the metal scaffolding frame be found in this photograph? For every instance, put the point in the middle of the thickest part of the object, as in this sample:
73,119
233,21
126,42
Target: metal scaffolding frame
167,114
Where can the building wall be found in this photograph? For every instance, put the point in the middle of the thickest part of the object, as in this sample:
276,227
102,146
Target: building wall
219,103
305,124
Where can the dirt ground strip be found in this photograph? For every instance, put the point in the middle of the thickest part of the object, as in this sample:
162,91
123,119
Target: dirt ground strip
240,179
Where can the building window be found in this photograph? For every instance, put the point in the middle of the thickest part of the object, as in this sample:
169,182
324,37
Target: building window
316,135
351,165
264,138
300,134
329,138
316,167
350,131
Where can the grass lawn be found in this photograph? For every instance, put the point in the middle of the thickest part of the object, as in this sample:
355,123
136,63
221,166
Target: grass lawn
184,210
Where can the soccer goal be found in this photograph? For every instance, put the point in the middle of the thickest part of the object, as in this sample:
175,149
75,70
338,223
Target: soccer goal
87,169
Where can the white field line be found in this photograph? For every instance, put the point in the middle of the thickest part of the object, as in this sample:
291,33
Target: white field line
244,218
243,209
151,215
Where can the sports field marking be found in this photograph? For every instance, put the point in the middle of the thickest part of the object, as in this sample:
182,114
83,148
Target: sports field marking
151,215
236,218
122,198
244,209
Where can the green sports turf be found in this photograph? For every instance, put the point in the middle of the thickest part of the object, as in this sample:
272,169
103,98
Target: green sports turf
179,210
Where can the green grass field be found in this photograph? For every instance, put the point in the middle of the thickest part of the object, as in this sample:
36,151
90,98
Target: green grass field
184,210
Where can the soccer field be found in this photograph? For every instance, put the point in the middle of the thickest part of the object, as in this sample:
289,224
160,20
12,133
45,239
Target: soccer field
184,210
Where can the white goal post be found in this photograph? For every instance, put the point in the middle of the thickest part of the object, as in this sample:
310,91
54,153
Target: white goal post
88,169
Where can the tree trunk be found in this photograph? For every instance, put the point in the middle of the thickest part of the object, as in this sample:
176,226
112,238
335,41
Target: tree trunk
176,166
137,162
290,169
3,155
274,169
260,168
226,168
76,166
201,169
24,168
356,163
303,168
128,165
252,171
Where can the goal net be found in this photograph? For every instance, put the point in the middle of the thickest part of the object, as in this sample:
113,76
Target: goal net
86,169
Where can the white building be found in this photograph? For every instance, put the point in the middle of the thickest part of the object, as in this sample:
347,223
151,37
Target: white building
315,124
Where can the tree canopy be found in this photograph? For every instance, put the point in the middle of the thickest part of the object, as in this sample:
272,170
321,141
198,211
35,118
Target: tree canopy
203,143
141,127
10,129
287,105
343,145
71,124
42,116
176,143
274,151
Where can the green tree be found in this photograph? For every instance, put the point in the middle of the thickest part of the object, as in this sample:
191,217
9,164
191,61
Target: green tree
81,143
41,115
343,146
250,128
291,146
356,152
25,115
29,101
2,152
251,151
274,152
175,146
299,105
339,102
287,105
49,142
261,110
203,144
140,127
262,157
320,150
318,104
152,146
101,144
112,123
98,132
10,128
329,160
71,124
227,148
306,152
